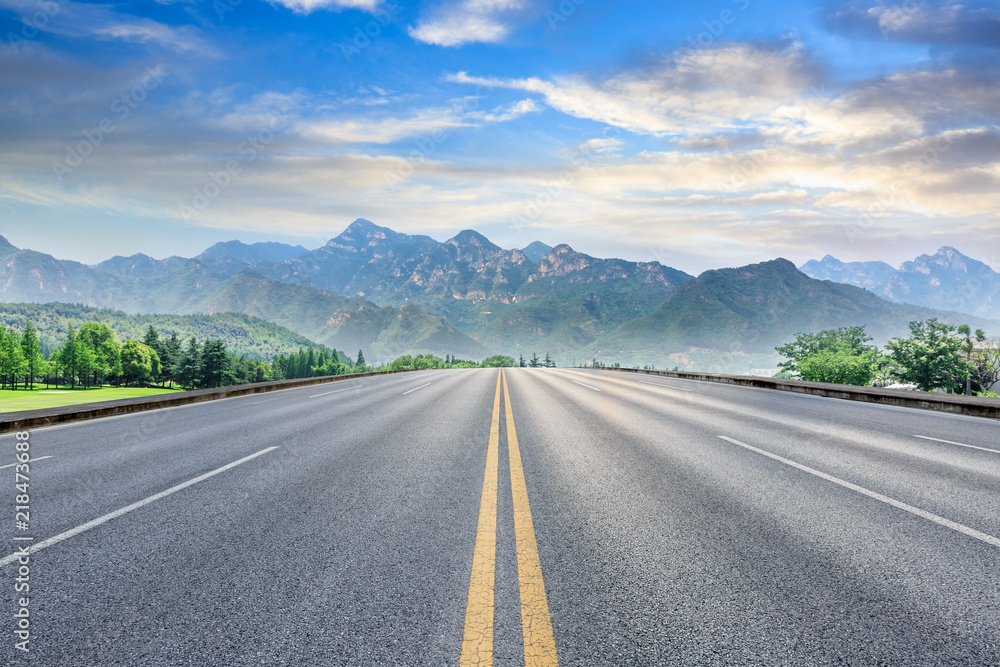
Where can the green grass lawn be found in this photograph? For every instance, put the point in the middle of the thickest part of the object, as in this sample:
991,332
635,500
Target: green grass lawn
40,397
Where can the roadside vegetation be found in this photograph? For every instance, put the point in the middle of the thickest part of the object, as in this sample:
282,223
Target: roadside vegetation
92,364
92,357
934,357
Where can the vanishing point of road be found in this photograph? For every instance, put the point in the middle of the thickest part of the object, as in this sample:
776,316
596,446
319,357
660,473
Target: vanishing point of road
526,517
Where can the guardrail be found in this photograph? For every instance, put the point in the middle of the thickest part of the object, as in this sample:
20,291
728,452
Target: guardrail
28,419
974,406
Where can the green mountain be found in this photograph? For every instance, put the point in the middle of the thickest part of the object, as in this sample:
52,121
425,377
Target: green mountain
243,334
141,284
502,298
726,317
348,323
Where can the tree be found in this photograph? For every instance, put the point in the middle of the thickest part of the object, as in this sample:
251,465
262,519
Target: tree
970,345
215,363
170,354
840,356
932,357
12,361
534,362
361,360
33,360
520,361
496,361
86,361
69,355
548,363
151,338
188,368
986,362
107,351
137,362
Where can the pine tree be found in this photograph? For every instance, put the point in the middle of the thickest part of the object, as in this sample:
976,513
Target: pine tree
215,363
32,354
361,359
535,362
172,353
188,368
548,363
521,362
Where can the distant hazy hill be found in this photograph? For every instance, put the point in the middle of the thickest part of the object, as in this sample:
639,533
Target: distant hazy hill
752,309
869,275
947,280
141,284
536,250
242,334
253,252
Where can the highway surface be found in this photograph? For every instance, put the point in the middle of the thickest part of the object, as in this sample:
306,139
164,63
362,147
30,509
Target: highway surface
570,517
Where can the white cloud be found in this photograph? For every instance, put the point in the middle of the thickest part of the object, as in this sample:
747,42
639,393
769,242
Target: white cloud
689,91
512,112
421,123
384,130
78,19
308,6
467,22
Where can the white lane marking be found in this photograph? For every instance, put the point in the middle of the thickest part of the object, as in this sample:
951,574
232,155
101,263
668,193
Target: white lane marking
335,391
420,387
11,465
585,385
657,384
949,442
7,560
948,523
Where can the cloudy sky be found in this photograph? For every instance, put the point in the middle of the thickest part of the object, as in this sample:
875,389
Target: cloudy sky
703,134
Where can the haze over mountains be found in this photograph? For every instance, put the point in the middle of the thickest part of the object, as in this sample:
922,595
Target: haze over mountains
947,279
389,293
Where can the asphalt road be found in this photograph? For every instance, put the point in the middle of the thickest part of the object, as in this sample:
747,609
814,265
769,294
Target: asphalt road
673,522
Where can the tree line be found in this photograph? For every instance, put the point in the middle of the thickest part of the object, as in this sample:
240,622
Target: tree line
92,356
935,356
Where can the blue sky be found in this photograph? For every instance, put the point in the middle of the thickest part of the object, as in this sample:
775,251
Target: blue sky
698,134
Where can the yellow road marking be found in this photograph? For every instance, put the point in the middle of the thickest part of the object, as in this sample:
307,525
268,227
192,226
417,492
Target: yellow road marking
477,640
539,644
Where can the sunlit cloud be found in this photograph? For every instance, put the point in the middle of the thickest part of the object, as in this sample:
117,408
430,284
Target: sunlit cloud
466,22
308,6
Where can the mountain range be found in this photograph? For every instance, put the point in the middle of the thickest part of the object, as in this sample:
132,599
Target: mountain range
947,279
390,293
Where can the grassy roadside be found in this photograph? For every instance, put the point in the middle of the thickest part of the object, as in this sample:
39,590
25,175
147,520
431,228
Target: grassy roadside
54,397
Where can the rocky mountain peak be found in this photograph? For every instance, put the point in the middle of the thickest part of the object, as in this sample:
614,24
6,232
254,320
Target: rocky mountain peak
469,237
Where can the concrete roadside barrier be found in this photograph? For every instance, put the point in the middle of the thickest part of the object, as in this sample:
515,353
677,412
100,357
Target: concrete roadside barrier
974,406
29,419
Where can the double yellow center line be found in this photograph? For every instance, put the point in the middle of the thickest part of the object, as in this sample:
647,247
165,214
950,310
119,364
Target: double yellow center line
477,640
